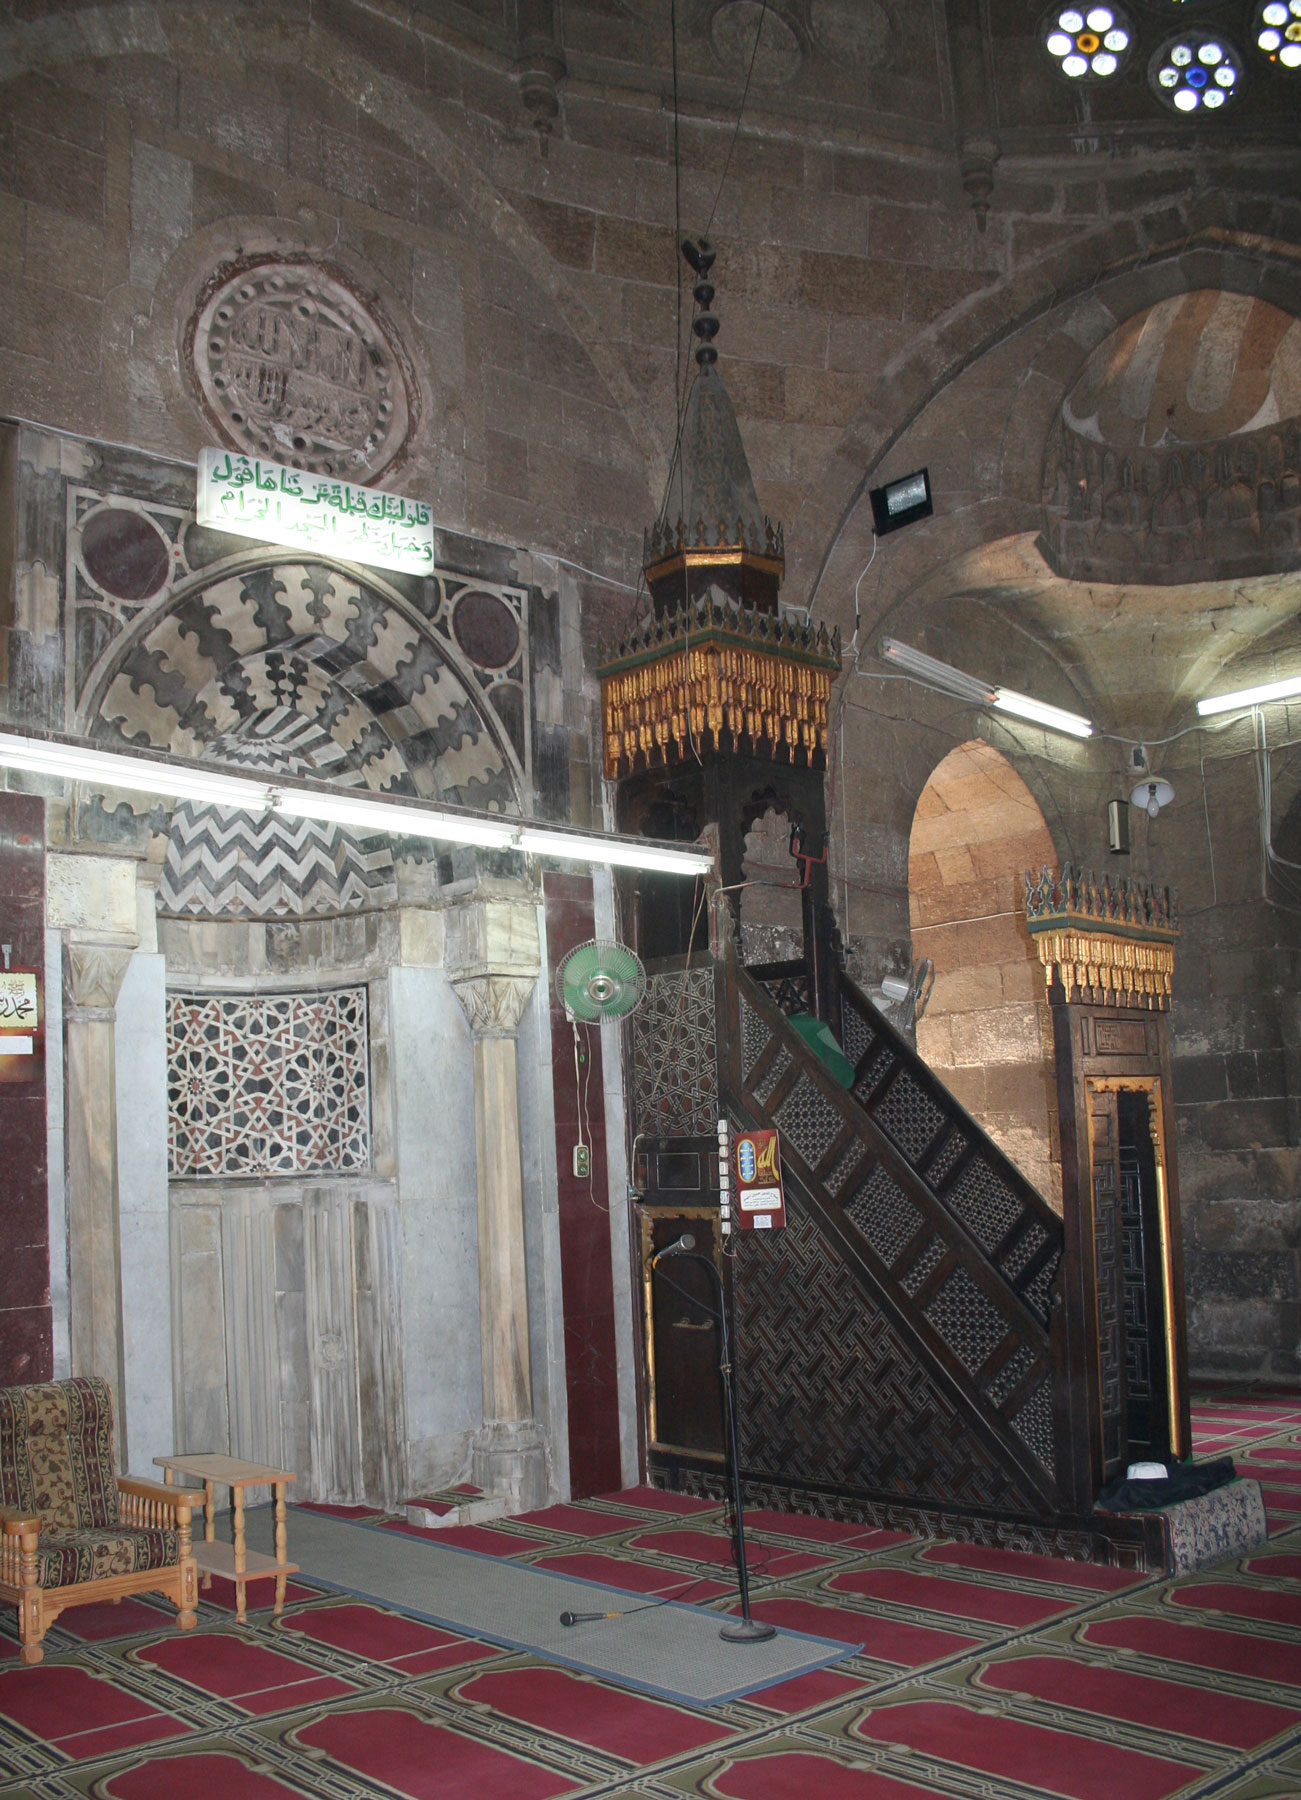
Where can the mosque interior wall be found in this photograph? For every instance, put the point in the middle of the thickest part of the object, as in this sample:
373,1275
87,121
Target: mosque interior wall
342,239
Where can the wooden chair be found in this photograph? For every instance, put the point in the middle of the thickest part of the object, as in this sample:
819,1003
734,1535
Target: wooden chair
73,1530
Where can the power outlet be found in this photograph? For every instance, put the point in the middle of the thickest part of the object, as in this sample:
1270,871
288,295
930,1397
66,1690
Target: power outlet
582,1162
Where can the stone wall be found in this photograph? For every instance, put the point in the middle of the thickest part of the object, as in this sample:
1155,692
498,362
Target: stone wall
509,225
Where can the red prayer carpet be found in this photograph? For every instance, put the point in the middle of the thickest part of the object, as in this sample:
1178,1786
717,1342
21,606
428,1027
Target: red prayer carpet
984,1674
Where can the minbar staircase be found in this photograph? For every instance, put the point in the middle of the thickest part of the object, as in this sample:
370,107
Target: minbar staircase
899,1354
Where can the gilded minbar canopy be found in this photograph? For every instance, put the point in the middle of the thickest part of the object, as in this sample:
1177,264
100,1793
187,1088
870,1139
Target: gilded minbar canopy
1107,943
714,678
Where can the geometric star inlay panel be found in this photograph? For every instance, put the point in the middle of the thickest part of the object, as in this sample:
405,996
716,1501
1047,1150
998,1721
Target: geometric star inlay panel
268,1085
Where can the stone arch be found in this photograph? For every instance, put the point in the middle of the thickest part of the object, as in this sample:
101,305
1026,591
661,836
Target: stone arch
1087,288
255,647
987,1031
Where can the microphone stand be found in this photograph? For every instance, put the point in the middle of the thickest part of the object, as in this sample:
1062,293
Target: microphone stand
745,1630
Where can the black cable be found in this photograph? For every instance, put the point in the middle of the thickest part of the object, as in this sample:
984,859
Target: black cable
745,94
677,225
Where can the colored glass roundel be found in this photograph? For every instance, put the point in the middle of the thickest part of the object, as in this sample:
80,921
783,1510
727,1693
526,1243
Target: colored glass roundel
1087,43
1278,32
1196,72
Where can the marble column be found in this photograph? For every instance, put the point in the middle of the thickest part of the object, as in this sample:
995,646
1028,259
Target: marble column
492,959
93,972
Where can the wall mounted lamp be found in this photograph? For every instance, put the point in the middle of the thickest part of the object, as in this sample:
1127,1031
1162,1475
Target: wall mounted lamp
932,672
139,772
1152,795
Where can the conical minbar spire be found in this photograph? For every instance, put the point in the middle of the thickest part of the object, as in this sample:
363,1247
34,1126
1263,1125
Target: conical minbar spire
712,540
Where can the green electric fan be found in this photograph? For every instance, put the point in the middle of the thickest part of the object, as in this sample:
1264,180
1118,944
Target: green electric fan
600,980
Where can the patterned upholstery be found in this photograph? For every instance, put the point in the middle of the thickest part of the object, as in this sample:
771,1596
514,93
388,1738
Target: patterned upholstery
56,1468
56,1454
65,1557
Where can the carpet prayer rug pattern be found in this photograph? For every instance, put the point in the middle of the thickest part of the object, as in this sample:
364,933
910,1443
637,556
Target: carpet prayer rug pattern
985,1675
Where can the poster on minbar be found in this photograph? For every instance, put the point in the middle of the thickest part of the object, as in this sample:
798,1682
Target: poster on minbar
760,1203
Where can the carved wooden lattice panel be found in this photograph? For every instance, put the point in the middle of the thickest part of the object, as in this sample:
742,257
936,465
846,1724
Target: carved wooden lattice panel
964,1318
964,1172
1106,1240
841,1154
1138,1361
1012,1373
268,1084
908,1117
1019,1255
1033,1424
754,1037
845,1165
884,1214
987,1206
920,1272
946,1160
675,1056
808,1120
829,1391
766,1085
792,992
856,1035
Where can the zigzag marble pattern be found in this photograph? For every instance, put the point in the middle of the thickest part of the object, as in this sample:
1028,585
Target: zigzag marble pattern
221,862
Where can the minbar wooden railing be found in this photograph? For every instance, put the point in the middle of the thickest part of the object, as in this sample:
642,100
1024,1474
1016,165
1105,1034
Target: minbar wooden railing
914,1236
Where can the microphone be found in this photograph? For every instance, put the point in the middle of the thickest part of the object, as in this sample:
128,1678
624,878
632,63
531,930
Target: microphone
573,1618
676,1248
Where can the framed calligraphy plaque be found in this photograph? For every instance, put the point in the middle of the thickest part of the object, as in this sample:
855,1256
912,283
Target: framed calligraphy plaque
290,362
22,1025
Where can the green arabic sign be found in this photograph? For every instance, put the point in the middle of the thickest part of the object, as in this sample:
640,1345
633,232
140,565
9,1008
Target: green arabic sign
264,500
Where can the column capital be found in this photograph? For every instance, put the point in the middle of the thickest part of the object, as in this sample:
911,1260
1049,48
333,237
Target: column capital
94,966
492,955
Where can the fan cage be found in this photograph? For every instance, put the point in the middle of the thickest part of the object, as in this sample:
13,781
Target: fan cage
600,979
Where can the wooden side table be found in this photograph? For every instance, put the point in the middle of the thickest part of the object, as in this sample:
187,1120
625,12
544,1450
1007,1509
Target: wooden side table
234,1561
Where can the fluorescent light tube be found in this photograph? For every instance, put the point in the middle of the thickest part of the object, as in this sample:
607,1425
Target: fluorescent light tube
141,774
1253,696
938,674
621,853
980,693
393,814
1054,717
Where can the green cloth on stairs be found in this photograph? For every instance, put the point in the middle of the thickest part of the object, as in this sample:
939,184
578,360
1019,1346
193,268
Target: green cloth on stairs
818,1036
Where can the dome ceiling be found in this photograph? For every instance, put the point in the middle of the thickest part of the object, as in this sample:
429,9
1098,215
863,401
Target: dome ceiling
1133,655
1176,456
1190,370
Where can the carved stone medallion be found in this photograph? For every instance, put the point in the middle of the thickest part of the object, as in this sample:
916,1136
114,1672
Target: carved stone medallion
773,61
289,363
855,32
